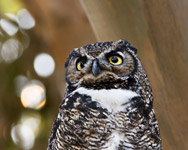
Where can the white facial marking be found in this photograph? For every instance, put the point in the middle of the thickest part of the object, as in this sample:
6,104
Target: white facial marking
111,99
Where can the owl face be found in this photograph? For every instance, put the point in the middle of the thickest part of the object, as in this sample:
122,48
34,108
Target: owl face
101,64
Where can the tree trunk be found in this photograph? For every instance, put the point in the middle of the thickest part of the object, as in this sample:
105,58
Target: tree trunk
159,30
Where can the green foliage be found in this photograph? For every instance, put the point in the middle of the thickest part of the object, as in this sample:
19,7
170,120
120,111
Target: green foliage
11,6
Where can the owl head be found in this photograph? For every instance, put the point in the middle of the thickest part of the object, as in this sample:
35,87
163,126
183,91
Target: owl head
101,65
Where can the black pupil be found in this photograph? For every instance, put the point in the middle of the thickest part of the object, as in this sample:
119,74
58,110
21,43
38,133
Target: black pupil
82,64
114,59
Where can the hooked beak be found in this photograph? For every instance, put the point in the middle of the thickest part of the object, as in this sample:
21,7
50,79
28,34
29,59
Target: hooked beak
95,68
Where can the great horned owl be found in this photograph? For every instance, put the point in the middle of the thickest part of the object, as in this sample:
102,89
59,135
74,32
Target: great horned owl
108,103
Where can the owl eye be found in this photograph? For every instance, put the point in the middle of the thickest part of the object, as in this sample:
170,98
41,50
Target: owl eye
115,60
80,64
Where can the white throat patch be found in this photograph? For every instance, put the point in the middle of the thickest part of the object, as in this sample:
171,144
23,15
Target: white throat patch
111,99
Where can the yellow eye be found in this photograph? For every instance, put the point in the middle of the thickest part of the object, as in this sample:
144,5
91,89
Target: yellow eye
115,60
80,65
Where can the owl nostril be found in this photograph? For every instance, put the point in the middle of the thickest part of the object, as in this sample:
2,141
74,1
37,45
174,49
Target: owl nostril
95,68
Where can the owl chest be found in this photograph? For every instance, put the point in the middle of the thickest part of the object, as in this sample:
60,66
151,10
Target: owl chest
96,116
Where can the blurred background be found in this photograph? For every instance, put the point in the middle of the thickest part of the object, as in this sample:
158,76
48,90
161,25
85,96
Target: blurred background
37,36
35,40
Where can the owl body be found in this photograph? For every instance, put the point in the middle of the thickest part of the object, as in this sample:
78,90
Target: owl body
108,102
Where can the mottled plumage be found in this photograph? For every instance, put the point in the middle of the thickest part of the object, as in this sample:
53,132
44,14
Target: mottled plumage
108,103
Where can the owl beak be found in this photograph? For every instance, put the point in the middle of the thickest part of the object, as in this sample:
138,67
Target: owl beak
95,68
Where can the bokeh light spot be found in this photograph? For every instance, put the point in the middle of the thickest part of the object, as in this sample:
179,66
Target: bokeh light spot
33,95
12,16
32,120
11,50
26,130
10,28
44,65
23,136
25,20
